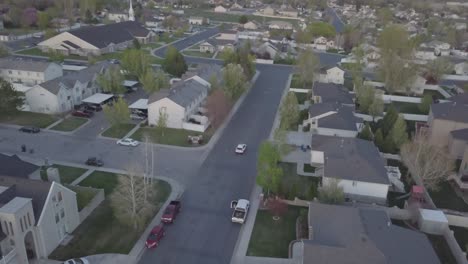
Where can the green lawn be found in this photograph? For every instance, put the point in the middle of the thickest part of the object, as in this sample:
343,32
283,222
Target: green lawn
101,232
294,185
297,83
118,131
83,195
446,198
67,174
151,45
197,54
271,238
172,136
70,124
23,118
405,108
101,180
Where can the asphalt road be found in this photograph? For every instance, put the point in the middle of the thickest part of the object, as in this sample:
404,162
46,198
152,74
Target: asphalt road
204,233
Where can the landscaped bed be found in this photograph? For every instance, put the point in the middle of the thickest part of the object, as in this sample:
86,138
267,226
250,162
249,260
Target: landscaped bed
302,97
70,124
67,174
101,232
23,118
271,238
118,131
294,185
170,136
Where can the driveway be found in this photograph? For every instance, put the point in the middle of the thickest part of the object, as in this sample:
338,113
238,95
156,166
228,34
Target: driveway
204,234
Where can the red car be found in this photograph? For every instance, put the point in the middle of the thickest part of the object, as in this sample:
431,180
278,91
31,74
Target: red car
82,114
157,233
171,212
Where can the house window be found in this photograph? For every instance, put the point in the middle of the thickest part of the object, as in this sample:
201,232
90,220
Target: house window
11,229
59,196
25,223
54,199
57,218
29,220
21,224
62,213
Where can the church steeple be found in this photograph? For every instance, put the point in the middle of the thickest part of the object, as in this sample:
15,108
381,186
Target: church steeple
131,13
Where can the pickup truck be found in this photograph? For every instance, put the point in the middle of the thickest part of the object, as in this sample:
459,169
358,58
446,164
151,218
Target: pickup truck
241,208
171,212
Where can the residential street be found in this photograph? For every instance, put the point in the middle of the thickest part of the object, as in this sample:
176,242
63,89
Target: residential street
204,232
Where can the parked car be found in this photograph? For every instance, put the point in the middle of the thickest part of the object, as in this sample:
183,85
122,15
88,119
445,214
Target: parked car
77,261
171,212
241,148
93,161
85,113
128,142
241,208
155,237
95,108
30,129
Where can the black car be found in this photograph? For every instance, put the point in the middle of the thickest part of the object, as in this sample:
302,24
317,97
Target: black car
30,129
93,161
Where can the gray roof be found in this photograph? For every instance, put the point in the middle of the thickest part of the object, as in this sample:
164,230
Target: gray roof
220,42
344,117
453,111
182,93
460,98
15,167
36,190
461,134
351,159
331,93
24,64
102,36
69,80
350,235
205,71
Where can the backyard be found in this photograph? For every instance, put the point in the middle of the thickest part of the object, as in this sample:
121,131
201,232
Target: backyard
101,232
23,118
406,108
271,238
170,136
70,123
294,185
118,131
446,197
67,174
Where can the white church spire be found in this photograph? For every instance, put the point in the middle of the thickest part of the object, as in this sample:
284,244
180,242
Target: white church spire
131,13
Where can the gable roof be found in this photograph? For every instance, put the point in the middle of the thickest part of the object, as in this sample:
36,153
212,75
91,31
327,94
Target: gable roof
14,166
102,36
351,159
182,93
11,63
454,111
343,117
69,80
332,93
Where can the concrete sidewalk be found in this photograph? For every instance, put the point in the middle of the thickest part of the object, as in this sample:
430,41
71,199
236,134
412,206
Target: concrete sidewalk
111,259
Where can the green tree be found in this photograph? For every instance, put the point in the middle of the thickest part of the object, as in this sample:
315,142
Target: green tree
317,29
136,44
174,63
11,100
425,104
214,82
439,67
88,16
111,81
43,20
388,120
243,19
398,133
307,66
234,81
118,113
384,15
269,174
366,133
376,108
136,62
154,81
331,193
242,57
379,139
289,111
365,97
162,121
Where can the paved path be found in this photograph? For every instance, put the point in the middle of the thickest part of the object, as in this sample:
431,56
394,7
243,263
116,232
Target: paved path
82,177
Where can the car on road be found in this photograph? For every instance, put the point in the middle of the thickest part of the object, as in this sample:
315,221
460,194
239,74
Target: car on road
155,237
87,114
127,142
171,212
241,148
30,129
93,161
77,261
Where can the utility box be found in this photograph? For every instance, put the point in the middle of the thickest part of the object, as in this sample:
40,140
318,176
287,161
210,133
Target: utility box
53,175
432,221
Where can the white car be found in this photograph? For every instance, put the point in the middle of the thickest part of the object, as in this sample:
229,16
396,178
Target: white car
77,261
128,142
241,148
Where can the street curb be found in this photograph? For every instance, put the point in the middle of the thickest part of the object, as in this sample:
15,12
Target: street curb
276,122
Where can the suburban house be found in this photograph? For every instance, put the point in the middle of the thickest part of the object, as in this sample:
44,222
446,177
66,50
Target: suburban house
322,43
117,16
252,25
425,53
266,50
355,163
213,45
62,94
35,216
227,35
97,40
5,36
331,74
183,103
220,9
333,119
28,72
198,21
346,234
278,24
269,11
332,93
440,48
288,12
448,123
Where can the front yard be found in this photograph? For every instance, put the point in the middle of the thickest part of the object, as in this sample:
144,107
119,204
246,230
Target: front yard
271,238
170,136
70,123
118,131
83,195
67,174
23,118
294,185
195,53
101,232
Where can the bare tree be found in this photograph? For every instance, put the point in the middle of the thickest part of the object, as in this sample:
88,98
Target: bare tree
128,198
162,121
430,165
218,106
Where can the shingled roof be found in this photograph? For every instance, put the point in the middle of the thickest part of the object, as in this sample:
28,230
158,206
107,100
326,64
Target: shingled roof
182,93
454,111
14,166
338,117
24,64
333,93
